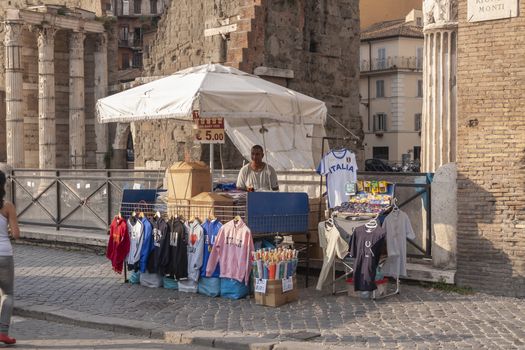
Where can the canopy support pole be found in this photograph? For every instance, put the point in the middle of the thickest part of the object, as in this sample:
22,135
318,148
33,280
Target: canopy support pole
211,164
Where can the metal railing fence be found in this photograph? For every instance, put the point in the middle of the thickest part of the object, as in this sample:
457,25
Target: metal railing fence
69,198
88,199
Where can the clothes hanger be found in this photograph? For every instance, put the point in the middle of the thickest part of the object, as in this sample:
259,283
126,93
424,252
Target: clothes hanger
395,207
372,224
237,218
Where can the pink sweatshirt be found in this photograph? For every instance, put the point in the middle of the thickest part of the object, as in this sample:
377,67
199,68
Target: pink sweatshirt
233,250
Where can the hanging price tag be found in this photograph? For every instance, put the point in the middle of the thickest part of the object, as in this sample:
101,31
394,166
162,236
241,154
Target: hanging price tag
287,284
260,285
209,130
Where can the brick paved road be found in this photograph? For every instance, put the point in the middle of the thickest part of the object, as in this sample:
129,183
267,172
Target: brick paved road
418,317
36,334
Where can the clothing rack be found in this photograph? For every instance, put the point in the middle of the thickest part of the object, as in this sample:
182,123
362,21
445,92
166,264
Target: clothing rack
268,214
346,261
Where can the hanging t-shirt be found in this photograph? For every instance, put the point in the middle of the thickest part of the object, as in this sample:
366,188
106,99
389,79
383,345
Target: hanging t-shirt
195,239
136,233
366,248
340,168
398,229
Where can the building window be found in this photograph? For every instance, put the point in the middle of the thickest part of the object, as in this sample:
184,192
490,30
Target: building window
380,122
417,152
417,122
380,152
420,88
123,33
419,21
380,88
137,7
381,58
125,61
137,60
153,6
125,7
419,58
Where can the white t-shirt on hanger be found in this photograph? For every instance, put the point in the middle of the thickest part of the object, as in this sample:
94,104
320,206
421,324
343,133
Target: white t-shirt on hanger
340,168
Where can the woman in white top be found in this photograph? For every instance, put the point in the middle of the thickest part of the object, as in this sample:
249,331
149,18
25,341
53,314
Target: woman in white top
7,268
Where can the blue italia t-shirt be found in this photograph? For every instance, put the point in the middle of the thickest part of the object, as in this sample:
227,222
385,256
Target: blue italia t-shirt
211,229
340,168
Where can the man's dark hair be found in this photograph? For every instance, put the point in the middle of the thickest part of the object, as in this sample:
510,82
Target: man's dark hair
259,147
2,189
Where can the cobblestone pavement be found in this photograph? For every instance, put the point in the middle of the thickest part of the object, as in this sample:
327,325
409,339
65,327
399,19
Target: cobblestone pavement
36,334
417,318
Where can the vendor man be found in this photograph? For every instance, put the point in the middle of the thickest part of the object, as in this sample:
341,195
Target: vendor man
257,175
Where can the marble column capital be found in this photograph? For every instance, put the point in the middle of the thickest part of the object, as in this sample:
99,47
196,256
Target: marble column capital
101,42
45,35
13,32
76,40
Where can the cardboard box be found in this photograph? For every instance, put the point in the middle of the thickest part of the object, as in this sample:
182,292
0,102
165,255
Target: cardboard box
208,204
315,252
274,295
187,179
314,237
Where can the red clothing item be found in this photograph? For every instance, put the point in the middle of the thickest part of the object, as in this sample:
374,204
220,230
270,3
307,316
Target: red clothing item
118,244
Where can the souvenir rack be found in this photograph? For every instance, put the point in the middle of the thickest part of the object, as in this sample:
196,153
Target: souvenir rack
267,214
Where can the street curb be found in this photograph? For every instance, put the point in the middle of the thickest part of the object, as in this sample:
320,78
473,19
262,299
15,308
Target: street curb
82,319
212,339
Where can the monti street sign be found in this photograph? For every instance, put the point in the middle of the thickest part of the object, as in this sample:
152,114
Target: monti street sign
486,10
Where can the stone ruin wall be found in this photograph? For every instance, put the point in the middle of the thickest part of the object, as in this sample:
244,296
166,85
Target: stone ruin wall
318,40
30,66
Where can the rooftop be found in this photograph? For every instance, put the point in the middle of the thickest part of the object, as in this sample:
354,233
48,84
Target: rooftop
394,28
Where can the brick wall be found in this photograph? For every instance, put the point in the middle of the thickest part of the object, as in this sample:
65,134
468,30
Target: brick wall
318,40
491,154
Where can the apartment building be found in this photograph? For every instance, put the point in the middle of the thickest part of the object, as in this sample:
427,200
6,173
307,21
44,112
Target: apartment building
391,88
136,18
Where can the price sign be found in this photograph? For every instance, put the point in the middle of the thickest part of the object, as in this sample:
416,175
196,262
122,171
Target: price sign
209,130
260,285
287,284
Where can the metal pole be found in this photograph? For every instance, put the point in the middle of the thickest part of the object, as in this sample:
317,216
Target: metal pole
211,164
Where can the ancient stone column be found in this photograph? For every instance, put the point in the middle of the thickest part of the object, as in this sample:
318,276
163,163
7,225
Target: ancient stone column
119,158
101,90
77,118
439,80
46,98
14,103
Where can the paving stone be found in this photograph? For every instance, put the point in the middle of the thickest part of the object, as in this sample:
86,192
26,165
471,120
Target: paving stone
52,279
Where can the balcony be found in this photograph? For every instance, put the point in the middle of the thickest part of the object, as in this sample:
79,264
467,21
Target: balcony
392,63
130,42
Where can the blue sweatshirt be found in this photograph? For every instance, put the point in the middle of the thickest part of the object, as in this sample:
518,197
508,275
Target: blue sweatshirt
147,245
211,229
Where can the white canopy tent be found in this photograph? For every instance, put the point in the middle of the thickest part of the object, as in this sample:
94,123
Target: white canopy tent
255,111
